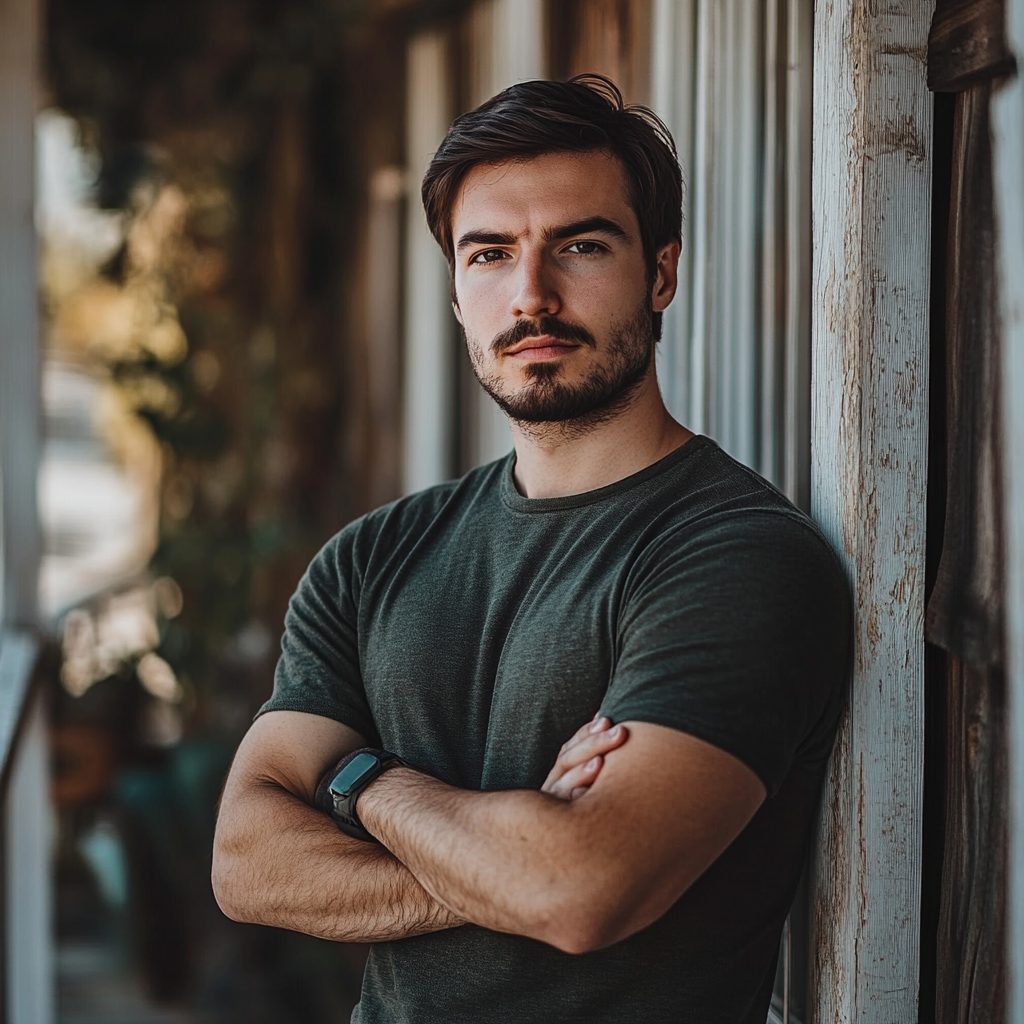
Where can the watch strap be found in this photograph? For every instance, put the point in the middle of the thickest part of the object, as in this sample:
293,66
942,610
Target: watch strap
345,817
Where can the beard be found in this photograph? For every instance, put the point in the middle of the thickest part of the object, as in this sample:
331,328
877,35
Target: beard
607,390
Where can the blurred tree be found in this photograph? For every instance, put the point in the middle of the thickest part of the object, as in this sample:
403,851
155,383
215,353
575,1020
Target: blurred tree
231,118
229,133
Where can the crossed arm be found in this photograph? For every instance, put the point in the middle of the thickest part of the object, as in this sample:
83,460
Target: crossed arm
618,832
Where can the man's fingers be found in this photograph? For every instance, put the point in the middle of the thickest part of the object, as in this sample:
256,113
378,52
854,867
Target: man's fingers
570,770
592,743
597,724
575,781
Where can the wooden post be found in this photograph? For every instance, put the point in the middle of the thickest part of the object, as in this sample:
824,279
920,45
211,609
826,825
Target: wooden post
1008,188
19,358
430,327
506,45
871,225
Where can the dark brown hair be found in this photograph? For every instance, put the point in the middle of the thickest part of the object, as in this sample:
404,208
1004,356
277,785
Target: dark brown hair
586,113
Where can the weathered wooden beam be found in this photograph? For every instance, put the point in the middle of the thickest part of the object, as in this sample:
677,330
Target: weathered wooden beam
1008,188
871,224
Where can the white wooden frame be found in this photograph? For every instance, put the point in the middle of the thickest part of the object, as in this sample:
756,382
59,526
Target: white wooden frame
871,228
1008,180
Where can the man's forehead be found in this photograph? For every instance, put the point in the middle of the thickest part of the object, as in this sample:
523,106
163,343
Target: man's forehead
543,191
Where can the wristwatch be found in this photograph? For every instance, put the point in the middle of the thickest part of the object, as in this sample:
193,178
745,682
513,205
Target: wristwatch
340,787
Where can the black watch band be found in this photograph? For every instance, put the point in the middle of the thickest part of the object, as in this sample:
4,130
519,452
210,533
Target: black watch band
340,787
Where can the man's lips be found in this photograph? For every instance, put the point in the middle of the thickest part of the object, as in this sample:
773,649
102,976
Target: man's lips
542,346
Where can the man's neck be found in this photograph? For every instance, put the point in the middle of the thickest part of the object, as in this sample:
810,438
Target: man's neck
554,460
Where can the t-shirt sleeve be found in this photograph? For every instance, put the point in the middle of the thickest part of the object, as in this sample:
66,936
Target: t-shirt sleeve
318,671
737,632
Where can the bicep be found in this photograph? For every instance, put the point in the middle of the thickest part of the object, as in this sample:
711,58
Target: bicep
290,750
664,807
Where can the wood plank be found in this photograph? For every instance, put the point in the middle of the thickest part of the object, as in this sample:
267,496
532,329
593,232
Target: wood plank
796,415
19,359
18,652
1008,182
28,900
870,224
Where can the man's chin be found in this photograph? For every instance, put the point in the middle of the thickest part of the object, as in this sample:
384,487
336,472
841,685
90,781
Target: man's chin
544,403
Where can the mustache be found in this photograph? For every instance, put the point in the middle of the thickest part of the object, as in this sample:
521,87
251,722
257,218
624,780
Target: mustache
561,330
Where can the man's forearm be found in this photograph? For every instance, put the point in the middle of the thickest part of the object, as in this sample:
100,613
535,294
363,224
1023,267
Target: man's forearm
279,862
503,860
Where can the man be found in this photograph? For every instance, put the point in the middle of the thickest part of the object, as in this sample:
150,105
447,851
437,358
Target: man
614,569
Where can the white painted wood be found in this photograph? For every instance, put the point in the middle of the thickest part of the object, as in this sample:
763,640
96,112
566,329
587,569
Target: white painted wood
732,79
430,327
795,417
19,360
18,652
871,219
674,64
507,45
384,223
702,204
28,827
28,970
740,266
771,246
1008,180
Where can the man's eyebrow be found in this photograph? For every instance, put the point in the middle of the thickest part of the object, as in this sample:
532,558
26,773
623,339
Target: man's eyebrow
588,226
484,238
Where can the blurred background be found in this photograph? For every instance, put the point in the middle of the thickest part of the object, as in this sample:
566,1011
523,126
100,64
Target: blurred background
245,342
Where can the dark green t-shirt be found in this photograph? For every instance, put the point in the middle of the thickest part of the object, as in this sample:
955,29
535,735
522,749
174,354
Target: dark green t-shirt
472,631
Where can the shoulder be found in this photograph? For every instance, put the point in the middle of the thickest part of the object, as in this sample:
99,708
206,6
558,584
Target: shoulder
400,524
723,513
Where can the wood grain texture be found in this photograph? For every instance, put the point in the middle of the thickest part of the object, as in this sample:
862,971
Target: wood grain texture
965,612
971,976
19,359
1008,185
870,223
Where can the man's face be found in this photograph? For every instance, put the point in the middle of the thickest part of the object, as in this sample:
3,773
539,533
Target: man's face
551,286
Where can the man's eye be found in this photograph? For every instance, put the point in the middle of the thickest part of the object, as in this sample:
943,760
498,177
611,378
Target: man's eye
584,248
489,256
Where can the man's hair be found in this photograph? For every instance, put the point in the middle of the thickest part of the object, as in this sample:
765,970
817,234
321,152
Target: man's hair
581,115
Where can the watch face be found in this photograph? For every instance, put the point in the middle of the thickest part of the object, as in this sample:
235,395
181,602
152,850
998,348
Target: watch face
353,773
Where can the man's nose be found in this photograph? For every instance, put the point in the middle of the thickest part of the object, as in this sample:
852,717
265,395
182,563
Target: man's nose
535,293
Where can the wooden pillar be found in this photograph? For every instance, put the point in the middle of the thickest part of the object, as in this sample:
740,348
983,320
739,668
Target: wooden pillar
19,359
871,220
26,966
1008,188
505,45
430,326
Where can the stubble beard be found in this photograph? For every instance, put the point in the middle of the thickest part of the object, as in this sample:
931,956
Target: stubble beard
575,408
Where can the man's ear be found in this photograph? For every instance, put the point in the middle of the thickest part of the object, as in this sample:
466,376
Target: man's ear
457,312
666,279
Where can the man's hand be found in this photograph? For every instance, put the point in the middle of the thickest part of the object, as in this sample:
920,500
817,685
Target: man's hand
581,758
